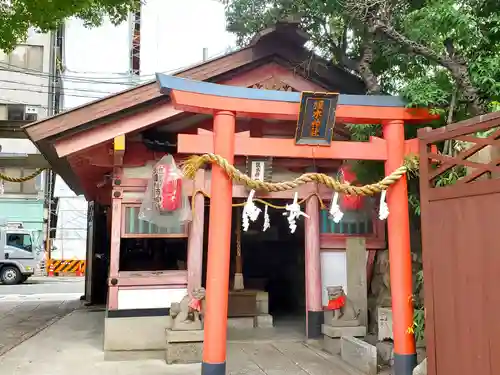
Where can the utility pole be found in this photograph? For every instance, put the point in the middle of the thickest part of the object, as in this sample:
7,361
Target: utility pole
54,107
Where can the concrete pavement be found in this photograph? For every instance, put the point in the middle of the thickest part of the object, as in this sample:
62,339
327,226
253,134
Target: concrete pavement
27,309
73,346
46,285
42,332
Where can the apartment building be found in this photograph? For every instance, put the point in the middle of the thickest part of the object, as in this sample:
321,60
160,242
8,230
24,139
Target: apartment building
25,96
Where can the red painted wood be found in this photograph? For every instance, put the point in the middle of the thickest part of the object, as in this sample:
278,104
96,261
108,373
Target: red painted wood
286,148
398,224
116,215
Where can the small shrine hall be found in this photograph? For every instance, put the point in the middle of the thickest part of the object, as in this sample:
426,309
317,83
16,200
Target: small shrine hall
223,198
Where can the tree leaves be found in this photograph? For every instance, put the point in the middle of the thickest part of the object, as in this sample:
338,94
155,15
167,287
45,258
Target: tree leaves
18,16
421,49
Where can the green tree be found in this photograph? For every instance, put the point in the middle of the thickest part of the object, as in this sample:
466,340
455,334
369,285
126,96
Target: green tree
439,53
18,16
431,51
443,54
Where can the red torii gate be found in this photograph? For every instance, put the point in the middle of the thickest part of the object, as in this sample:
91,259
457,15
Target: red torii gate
226,103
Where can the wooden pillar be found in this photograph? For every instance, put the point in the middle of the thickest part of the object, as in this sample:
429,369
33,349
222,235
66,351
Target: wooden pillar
195,244
219,243
238,283
114,256
315,316
398,222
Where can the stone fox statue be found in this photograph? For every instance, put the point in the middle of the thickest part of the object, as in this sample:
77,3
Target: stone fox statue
187,314
341,305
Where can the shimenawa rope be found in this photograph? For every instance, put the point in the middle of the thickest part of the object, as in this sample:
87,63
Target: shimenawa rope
4,177
192,164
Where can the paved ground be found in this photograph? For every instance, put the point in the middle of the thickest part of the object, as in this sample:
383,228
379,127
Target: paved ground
73,346
46,285
28,308
41,333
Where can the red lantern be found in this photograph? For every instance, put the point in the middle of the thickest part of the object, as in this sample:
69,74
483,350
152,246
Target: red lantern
167,190
349,202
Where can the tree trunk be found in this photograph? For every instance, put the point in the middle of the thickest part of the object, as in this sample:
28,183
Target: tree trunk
457,67
364,66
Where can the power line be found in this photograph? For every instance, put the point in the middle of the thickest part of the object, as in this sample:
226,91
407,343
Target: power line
65,88
46,92
105,80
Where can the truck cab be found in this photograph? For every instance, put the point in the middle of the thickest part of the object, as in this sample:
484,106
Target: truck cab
18,253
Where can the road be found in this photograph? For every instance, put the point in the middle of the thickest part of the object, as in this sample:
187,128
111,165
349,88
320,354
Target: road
28,308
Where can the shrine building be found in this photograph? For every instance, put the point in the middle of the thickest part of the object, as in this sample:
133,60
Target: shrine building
244,106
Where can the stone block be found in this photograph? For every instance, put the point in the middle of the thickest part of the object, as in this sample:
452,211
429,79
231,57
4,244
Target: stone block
356,276
136,333
184,336
421,369
241,323
359,354
384,320
339,322
184,352
385,351
331,345
262,300
184,346
337,332
263,321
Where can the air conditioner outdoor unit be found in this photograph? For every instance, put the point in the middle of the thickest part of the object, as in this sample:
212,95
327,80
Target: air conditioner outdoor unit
31,110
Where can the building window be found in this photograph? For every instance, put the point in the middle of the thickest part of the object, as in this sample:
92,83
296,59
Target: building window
27,187
133,227
18,112
353,223
24,57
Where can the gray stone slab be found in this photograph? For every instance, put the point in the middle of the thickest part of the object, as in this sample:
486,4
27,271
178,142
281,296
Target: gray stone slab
337,332
183,352
331,345
241,323
240,363
264,321
184,336
308,360
356,276
421,369
385,352
271,360
359,354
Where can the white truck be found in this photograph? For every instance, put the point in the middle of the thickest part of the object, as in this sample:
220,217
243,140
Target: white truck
19,253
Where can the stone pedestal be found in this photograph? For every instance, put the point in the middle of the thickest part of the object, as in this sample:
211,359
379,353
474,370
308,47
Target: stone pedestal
245,322
359,354
263,321
333,334
184,346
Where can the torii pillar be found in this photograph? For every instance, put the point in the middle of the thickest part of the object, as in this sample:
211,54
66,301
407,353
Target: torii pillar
219,249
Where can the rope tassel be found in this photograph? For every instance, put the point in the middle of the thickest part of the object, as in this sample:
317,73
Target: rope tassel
250,211
335,213
383,212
